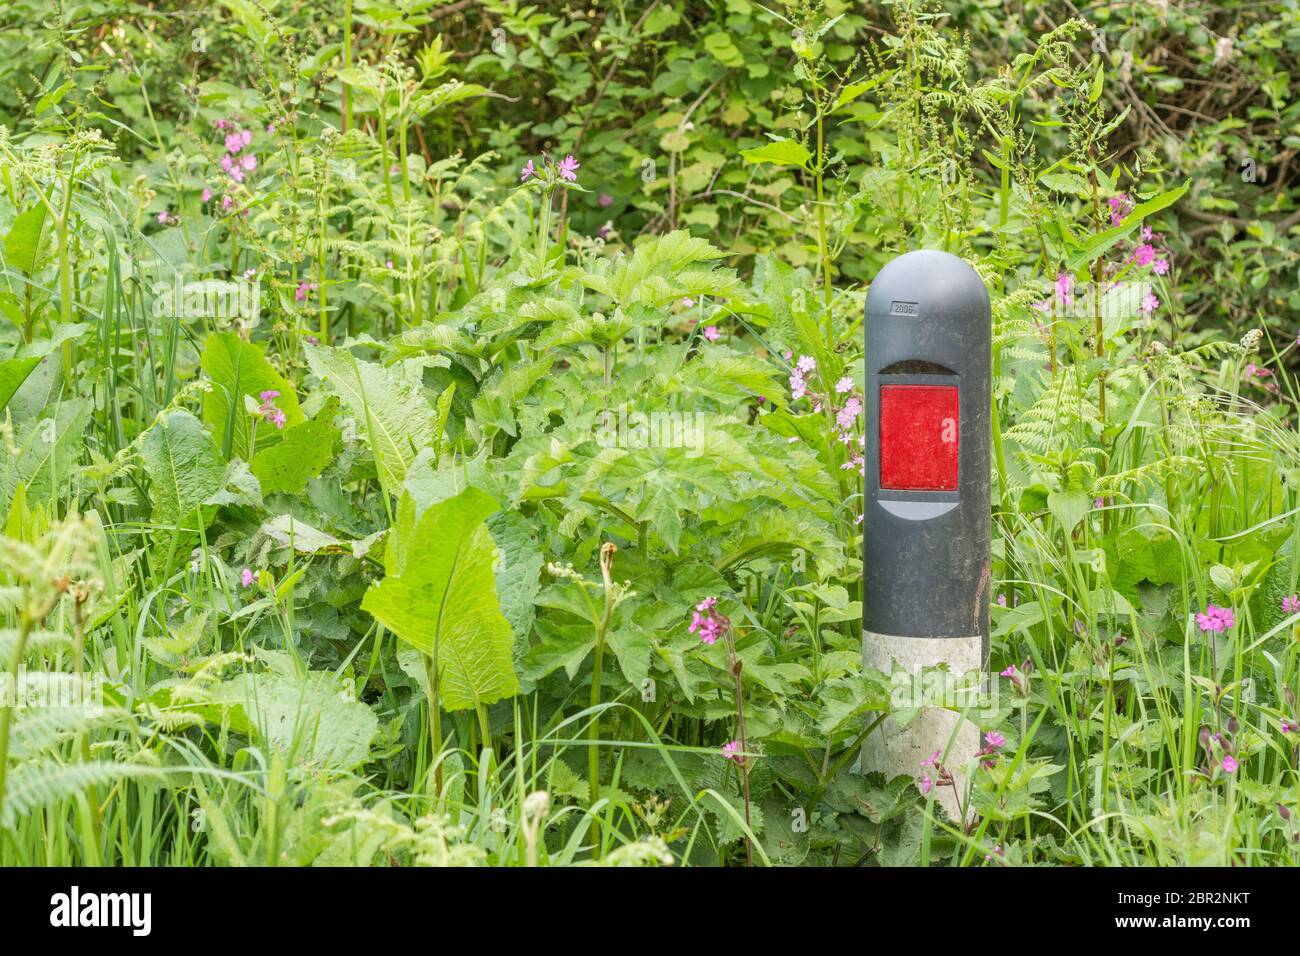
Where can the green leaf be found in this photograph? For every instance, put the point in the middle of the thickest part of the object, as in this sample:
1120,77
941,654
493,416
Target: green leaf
323,725
302,453
560,645
238,369
1068,507
1101,242
439,595
518,579
395,418
48,446
1098,80
23,243
184,470
13,372
631,645
780,152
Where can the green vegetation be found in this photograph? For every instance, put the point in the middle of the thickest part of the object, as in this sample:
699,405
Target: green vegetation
430,432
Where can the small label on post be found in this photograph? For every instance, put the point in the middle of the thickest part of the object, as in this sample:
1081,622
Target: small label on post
919,437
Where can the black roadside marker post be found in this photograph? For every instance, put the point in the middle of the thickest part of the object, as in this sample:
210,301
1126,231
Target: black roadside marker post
925,609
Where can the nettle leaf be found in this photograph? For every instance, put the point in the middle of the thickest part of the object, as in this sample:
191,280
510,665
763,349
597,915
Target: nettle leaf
13,372
240,370
439,595
394,417
302,453
23,242
184,470
780,152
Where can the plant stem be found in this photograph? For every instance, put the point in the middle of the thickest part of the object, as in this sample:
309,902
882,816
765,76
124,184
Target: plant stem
25,625
347,64
736,665
435,716
593,729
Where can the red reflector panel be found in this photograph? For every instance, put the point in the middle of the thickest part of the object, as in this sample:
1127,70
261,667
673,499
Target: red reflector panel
919,427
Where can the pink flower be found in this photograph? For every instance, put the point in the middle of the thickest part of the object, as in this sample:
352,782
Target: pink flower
248,161
528,171
995,739
1290,604
1002,600
304,288
569,169
687,302
1144,254
707,622
926,784
234,142
247,577
1160,267
711,333
226,202
806,364
1286,726
798,387
1120,206
1216,619
844,385
207,194
1229,763
1064,283
269,411
847,415
932,760
605,199
732,751
1149,303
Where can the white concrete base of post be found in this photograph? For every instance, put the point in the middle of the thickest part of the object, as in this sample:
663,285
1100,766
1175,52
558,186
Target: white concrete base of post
918,666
